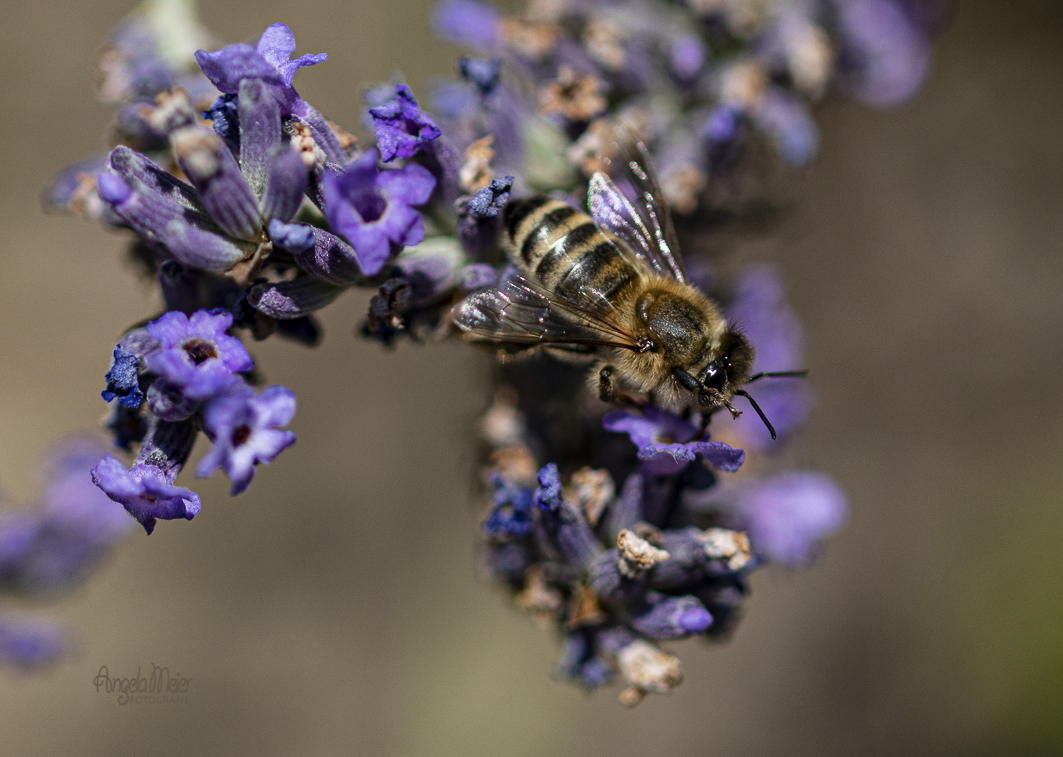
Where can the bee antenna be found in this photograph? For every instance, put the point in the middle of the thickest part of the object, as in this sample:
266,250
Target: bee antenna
753,402
776,374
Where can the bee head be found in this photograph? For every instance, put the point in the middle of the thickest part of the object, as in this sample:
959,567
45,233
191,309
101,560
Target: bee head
725,372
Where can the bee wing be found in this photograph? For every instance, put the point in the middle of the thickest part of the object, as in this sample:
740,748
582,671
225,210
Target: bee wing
644,225
522,312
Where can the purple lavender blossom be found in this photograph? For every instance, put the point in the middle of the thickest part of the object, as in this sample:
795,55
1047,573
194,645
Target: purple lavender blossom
267,61
760,309
787,121
122,382
466,22
54,545
196,355
511,510
401,127
373,209
667,444
885,54
30,644
246,432
145,491
789,513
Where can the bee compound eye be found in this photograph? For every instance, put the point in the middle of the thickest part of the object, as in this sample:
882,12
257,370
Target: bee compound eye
715,375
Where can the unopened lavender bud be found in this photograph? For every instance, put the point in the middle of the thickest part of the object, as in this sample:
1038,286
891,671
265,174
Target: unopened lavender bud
672,617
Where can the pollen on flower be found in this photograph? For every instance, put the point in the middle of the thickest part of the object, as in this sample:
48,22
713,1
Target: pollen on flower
604,41
636,554
303,142
732,546
575,96
594,490
475,173
584,609
538,598
647,669
530,38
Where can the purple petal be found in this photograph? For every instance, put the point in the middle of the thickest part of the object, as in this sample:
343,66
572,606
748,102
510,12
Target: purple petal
790,512
277,44
412,185
227,67
719,455
465,22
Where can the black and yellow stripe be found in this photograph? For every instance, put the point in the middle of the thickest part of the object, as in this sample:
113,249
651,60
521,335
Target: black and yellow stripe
564,251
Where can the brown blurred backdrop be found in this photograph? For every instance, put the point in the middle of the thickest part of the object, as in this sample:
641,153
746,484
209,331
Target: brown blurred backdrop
335,607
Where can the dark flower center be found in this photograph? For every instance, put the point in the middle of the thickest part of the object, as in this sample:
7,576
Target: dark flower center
199,350
241,434
370,204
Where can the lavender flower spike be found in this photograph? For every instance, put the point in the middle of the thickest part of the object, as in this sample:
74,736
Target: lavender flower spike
401,127
196,355
246,431
373,209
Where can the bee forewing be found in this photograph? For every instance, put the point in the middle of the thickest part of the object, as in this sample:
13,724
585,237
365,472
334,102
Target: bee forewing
524,313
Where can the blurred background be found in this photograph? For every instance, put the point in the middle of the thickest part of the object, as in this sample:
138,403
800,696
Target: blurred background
336,607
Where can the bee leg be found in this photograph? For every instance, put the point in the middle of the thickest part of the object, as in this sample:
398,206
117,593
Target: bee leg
605,384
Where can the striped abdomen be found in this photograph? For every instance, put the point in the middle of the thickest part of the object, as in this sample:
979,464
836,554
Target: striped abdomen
563,250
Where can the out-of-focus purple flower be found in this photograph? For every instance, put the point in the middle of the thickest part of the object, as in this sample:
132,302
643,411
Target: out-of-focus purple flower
762,312
71,499
30,643
432,269
482,74
373,209
787,121
667,443
789,513
885,54
53,546
478,276
511,514
688,55
195,354
723,124
268,61
122,379
247,432
145,491
401,127
466,22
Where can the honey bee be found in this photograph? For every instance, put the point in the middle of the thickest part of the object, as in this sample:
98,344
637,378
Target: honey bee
613,284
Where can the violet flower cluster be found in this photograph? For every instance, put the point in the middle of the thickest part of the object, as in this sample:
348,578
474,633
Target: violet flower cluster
705,83
623,526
